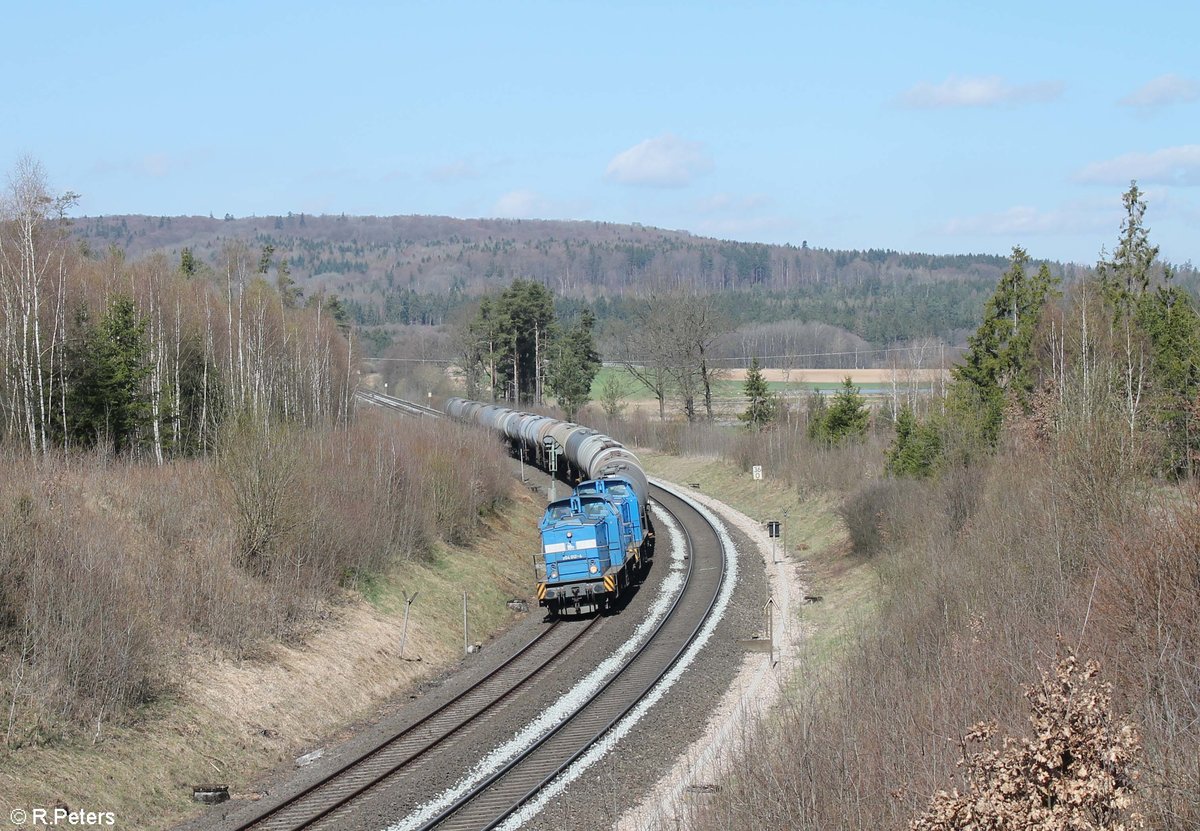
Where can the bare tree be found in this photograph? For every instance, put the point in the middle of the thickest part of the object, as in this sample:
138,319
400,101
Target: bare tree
642,349
32,257
669,348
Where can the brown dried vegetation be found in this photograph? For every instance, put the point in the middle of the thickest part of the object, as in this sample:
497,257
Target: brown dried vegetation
112,571
978,572
1078,772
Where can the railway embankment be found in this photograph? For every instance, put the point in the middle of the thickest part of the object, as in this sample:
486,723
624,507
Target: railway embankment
243,721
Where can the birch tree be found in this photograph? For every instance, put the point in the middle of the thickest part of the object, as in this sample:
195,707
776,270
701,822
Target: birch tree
32,270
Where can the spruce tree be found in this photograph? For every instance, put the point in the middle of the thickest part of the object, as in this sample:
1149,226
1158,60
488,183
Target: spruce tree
1169,320
124,369
845,418
106,371
917,447
999,358
573,366
762,407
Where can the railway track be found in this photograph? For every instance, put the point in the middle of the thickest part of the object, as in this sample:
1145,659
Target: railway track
398,404
485,803
455,718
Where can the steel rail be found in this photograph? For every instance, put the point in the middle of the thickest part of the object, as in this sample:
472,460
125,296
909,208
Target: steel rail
347,783
578,731
409,407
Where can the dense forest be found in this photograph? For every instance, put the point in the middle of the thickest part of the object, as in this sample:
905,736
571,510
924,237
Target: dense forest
424,271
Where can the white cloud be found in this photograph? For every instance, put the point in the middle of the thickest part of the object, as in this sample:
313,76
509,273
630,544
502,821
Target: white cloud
454,171
529,204
986,91
1025,220
520,204
666,162
1162,92
1169,166
155,165
750,229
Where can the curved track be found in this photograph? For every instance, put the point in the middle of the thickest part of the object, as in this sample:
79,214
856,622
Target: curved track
323,803
398,404
490,802
454,718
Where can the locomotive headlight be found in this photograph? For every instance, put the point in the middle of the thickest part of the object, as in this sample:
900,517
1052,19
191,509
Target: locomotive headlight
553,572
593,568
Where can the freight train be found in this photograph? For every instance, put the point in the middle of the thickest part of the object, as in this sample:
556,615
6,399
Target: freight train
598,541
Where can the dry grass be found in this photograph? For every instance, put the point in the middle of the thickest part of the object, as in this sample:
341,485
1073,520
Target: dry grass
121,584
972,581
231,719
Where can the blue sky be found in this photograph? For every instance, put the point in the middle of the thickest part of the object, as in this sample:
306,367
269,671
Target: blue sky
937,127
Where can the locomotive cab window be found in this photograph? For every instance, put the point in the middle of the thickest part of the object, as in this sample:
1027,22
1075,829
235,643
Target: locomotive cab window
594,509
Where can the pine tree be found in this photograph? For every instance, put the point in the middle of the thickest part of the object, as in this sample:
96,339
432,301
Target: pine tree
106,371
999,358
917,447
188,264
1124,281
762,407
845,418
125,368
1127,274
86,398
574,366
1171,325
518,327
289,294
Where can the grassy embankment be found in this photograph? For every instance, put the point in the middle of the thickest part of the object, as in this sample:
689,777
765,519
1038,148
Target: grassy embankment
234,720
225,714
815,538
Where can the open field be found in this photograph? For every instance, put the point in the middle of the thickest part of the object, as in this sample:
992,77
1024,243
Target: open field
787,382
813,377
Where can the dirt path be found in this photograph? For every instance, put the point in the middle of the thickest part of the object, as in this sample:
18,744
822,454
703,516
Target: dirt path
755,690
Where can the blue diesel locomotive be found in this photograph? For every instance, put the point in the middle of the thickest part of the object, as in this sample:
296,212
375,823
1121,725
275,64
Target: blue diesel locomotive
597,542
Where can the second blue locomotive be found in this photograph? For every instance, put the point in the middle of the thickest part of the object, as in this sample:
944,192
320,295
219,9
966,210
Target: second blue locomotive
597,542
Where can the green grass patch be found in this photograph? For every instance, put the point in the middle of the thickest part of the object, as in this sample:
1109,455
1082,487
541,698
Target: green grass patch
635,390
815,537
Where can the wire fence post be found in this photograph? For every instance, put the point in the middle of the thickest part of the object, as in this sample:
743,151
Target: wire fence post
466,638
408,601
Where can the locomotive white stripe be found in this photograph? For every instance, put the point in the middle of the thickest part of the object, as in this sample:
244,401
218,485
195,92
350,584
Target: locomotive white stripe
557,547
573,699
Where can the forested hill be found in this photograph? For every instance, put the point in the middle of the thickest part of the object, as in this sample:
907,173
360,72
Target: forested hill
420,269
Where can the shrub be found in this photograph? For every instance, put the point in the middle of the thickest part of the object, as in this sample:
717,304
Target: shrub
869,514
1078,771
108,568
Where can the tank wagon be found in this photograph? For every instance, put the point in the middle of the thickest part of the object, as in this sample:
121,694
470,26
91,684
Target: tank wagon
597,542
